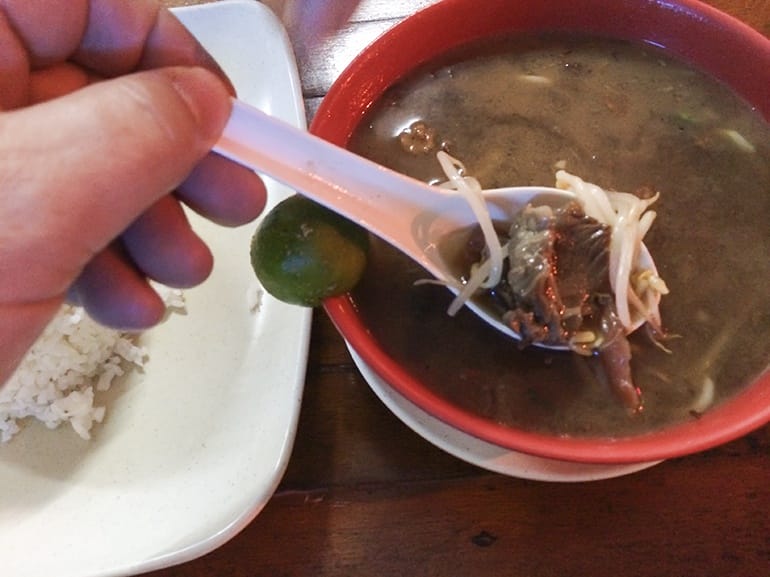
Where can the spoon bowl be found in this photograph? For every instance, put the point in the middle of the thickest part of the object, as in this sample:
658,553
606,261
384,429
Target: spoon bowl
411,215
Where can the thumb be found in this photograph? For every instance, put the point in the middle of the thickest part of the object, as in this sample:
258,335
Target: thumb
77,170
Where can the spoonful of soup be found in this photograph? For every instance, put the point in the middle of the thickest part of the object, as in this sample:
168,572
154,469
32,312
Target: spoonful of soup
561,267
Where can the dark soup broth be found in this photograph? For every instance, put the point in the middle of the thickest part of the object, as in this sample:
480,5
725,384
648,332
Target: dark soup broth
623,116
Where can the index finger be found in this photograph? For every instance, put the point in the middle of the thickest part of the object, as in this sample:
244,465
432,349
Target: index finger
108,37
122,37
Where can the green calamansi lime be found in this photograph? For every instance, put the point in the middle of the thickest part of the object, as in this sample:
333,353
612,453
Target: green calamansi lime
303,252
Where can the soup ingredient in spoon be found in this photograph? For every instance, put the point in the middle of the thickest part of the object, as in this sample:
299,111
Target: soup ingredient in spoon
557,290
557,282
571,275
303,252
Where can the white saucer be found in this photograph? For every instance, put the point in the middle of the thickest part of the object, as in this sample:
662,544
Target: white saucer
481,453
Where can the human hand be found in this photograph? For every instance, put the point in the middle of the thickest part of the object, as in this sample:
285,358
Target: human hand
108,107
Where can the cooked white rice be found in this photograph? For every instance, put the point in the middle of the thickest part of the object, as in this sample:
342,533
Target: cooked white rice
73,359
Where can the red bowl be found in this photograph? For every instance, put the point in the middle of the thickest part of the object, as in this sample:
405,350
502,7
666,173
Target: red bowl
711,40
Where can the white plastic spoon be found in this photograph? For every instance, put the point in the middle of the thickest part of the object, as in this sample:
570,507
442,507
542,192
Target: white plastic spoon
407,213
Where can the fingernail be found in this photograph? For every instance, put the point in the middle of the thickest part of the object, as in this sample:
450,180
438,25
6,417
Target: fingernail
206,97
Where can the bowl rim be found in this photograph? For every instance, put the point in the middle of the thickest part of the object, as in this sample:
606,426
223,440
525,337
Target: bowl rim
671,24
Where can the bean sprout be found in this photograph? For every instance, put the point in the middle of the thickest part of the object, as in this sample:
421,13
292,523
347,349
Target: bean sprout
636,289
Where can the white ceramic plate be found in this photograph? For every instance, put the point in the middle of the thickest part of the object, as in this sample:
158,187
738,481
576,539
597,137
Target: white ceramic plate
481,453
191,450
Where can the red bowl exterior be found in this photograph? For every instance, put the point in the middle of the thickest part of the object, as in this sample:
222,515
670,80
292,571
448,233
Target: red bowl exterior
711,40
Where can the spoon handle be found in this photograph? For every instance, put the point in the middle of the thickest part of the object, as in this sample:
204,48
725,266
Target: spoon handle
371,195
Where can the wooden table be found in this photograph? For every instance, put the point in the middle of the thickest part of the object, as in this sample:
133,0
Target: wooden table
365,496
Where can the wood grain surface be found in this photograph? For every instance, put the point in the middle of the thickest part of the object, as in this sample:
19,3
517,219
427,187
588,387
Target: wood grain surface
365,496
